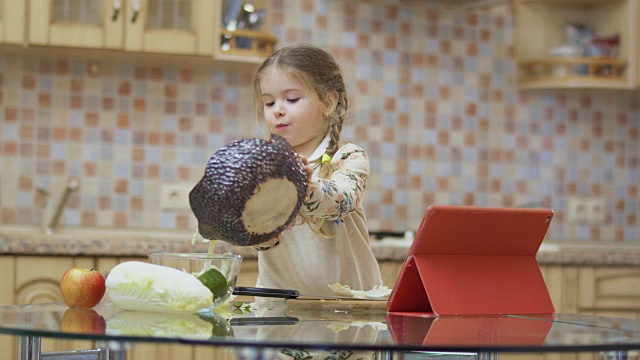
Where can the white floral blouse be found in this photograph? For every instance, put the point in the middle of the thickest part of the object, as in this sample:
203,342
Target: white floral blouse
308,260
336,197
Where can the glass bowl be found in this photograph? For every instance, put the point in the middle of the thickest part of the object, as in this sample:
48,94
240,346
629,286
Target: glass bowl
196,263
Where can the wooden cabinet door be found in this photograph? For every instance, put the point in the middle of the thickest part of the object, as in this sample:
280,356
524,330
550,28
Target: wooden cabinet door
12,18
76,23
183,27
609,289
7,269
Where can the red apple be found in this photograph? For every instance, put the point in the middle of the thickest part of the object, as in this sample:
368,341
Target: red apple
83,321
83,288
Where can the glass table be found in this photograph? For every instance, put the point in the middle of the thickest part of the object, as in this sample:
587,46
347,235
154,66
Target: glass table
278,331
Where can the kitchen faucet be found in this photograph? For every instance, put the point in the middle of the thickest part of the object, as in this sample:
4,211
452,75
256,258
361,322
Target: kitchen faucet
50,226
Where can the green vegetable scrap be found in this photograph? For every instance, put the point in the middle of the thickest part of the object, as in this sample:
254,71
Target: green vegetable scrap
241,307
214,281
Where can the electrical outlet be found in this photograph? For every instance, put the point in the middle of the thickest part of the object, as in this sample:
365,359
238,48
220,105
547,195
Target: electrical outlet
586,210
577,210
175,196
595,211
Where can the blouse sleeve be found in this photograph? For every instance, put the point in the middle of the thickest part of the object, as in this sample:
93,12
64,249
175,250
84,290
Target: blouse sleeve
341,194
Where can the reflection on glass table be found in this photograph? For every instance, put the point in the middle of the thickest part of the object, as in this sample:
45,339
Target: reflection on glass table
276,329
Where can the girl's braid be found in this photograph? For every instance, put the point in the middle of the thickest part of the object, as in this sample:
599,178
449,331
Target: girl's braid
335,124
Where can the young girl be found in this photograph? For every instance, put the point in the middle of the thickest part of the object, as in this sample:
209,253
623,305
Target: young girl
301,94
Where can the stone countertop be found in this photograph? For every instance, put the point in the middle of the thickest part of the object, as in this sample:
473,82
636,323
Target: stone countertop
30,241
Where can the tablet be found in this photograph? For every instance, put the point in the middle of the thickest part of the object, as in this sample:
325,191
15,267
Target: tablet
469,260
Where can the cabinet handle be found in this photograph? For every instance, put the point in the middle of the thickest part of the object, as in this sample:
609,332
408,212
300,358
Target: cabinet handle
116,9
135,7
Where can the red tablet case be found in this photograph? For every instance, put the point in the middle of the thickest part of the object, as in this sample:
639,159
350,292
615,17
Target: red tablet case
467,260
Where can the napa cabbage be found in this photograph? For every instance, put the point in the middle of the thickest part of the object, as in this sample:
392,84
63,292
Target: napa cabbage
136,285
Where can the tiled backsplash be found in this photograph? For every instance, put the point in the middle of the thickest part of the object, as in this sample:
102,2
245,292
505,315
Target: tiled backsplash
434,104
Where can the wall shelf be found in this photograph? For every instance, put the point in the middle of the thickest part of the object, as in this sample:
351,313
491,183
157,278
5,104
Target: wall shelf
574,72
541,26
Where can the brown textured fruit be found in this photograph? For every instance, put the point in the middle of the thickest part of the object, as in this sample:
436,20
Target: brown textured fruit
252,189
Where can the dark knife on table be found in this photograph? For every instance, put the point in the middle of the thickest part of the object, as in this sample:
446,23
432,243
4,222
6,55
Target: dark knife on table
290,294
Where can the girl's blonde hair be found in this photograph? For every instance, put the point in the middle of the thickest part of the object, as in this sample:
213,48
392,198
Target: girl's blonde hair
317,70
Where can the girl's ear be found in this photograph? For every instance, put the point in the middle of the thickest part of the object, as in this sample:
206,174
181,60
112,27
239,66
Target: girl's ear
333,101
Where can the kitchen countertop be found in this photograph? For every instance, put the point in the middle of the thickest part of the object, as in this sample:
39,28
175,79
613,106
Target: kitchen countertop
30,241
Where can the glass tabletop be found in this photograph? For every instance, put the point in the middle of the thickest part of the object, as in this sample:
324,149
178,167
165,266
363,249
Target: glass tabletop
277,326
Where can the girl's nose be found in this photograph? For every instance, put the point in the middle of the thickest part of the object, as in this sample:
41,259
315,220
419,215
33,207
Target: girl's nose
278,111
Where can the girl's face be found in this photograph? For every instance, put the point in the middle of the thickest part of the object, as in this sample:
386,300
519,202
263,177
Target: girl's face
291,111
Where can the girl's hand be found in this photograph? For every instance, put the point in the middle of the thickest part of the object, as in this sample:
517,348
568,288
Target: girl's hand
311,185
268,245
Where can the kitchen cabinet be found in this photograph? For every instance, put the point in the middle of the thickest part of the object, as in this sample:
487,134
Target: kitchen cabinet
174,27
609,291
541,25
183,27
562,283
594,290
76,24
12,18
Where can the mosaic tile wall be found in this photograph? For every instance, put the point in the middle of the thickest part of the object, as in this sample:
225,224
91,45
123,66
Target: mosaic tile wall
433,104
